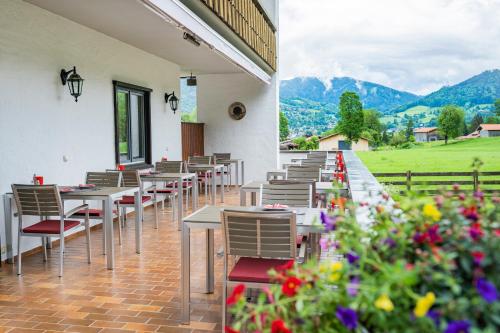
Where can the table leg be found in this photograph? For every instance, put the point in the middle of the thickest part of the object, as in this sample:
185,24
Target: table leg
243,197
195,192
108,230
210,262
185,273
180,192
242,172
254,198
138,221
155,204
222,185
214,188
237,173
103,228
7,206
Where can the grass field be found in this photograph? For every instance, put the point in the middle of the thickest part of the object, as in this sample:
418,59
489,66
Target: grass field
436,157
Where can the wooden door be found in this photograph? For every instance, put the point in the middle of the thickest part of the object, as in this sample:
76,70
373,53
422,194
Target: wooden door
193,143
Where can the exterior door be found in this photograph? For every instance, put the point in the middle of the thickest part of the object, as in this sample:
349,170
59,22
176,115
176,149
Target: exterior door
193,143
344,145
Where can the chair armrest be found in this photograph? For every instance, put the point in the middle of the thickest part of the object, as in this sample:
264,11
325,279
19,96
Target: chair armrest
75,210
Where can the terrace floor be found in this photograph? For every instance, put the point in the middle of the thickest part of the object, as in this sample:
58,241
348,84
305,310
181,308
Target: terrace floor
142,294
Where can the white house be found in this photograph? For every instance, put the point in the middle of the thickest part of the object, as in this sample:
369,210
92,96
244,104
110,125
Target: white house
426,134
488,130
130,53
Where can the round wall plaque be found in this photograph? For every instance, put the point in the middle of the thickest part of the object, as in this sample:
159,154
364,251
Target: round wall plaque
237,110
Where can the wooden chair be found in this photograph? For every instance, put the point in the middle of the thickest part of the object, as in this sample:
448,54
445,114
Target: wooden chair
302,172
169,190
131,178
221,157
290,193
44,202
258,242
101,179
204,177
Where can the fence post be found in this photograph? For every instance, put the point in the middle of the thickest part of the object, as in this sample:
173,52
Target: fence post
475,180
408,180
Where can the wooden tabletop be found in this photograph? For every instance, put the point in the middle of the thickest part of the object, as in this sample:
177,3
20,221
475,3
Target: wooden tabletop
167,175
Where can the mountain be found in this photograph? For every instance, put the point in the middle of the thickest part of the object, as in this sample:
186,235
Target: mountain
481,89
312,106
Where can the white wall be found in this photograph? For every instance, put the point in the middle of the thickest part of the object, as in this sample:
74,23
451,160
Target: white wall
253,138
39,120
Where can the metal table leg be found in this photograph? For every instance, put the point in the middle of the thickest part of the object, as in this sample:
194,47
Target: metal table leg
194,180
222,185
254,198
243,197
7,206
237,173
180,192
185,273
242,172
103,207
138,221
210,262
108,229
214,188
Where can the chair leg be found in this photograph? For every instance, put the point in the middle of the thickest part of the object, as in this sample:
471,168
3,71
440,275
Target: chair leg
119,231
87,235
224,298
19,253
44,248
61,254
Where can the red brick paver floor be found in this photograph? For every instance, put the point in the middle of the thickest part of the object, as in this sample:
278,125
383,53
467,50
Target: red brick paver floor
141,295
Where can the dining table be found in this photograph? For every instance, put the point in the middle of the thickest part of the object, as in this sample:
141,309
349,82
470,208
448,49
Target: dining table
107,195
253,188
213,169
208,218
239,164
179,178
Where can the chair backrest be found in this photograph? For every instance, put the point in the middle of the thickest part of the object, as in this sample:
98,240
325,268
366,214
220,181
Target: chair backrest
38,200
131,178
259,234
200,160
288,192
303,172
104,179
314,162
318,154
221,157
169,166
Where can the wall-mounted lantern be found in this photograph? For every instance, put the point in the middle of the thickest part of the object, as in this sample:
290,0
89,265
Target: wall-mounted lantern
172,100
191,81
75,82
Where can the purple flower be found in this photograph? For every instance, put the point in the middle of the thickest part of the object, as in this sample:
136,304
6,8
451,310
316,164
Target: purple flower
435,316
347,317
487,290
352,257
390,242
458,326
353,286
327,221
479,195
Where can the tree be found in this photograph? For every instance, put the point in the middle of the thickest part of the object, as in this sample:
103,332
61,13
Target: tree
475,122
450,122
372,127
351,116
409,129
284,130
497,107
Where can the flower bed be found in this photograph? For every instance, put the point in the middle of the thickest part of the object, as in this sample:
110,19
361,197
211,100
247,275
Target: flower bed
424,266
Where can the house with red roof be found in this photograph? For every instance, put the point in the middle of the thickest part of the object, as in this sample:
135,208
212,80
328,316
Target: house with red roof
488,130
426,134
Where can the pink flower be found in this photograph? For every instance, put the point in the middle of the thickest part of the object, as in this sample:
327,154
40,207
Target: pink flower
478,257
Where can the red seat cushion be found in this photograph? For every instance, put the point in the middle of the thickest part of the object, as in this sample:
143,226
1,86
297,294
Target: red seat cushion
202,174
254,269
184,184
50,226
130,199
163,190
92,212
299,239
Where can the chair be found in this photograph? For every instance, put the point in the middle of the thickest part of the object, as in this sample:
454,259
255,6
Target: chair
101,179
44,201
203,176
227,167
261,240
131,178
290,193
170,188
301,172
318,154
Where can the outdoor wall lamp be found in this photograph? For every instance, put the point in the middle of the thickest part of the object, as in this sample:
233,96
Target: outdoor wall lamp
191,38
172,100
75,82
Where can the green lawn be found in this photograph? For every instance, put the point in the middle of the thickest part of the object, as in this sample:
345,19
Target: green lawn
436,157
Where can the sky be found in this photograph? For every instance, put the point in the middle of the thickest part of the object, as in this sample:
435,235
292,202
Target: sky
411,45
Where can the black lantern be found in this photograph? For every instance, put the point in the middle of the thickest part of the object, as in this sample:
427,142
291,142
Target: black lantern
75,82
173,100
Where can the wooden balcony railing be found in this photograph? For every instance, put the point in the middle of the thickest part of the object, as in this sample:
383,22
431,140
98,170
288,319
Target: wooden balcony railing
247,19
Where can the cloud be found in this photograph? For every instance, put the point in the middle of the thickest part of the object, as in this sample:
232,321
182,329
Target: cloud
412,45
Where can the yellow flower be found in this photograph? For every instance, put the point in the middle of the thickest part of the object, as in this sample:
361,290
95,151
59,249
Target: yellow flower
335,267
431,211
384,303
424,304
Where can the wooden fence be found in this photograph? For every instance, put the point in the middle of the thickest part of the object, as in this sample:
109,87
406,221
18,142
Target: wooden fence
431,182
